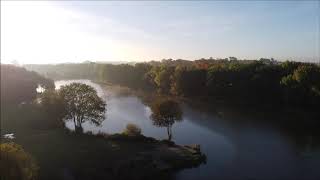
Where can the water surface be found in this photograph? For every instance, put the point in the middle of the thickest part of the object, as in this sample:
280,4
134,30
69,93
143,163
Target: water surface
236,147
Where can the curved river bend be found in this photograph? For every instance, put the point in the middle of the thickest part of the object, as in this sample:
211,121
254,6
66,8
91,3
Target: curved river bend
235,150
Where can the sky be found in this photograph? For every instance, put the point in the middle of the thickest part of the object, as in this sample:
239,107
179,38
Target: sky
76,31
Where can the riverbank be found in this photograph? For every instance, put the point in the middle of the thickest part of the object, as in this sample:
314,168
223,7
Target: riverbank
293,122
63,154
219,107
149,158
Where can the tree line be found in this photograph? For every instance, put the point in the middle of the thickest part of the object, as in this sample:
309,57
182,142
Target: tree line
77,102
19,85
263,81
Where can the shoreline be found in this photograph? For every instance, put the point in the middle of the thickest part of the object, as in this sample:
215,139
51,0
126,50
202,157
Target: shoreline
205,102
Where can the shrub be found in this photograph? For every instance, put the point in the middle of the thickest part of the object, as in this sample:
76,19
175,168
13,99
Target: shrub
16,164
132,130
102,134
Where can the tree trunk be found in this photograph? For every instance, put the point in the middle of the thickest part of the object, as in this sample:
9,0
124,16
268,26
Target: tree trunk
74,122
169,131
79,126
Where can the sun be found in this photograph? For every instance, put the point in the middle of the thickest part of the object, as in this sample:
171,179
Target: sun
42,32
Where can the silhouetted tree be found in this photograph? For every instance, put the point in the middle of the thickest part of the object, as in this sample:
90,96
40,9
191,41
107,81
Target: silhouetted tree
82,104
165,112
54,107
19,85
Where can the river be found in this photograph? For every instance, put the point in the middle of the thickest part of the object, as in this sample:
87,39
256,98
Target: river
237,147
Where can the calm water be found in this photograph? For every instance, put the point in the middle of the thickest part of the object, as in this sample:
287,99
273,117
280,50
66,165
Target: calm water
235,147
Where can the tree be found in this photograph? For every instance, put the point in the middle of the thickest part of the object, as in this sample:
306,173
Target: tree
302,86
132,130
16,164
165,112
82,104
19,85
188,81
163,76
53,106
263,81
233,58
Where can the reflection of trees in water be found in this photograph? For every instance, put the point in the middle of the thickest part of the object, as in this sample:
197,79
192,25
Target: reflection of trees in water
306,139
300,126
165,112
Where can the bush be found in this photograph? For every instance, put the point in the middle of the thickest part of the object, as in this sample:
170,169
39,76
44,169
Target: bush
16,164
53,106
102,134
132,130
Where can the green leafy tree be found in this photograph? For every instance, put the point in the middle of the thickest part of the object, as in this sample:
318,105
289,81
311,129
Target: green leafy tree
162,78
263,81
188,81
165,112
82,104
303,85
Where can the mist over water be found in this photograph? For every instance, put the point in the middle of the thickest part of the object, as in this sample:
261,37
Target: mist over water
236,148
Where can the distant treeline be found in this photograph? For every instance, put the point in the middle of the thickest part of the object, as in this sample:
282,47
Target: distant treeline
263,81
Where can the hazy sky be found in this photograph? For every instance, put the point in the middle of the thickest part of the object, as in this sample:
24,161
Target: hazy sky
71,31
